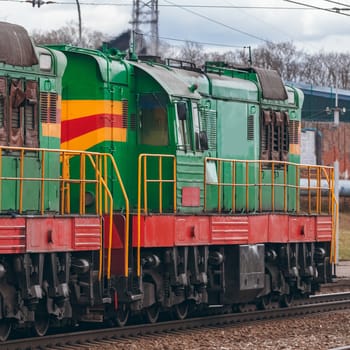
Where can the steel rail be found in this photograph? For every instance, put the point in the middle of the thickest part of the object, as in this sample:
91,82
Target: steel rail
317,304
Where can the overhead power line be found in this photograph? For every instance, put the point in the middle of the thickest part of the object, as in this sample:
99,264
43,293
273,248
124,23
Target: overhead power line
195,42
217,22
337,3
170,5
338,9
317,7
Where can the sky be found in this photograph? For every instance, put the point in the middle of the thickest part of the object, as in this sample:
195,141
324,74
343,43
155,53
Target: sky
229,24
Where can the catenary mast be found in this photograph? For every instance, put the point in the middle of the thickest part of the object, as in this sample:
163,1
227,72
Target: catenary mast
145,27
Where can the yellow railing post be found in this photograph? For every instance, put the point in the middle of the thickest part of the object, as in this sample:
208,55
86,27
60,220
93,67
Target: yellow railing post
160,184
205,184
0,177
318,192
285,184
233,165
145,199
260,186
174,177
142,179
219,162
42,192
246,186
21,179
273,186
297,189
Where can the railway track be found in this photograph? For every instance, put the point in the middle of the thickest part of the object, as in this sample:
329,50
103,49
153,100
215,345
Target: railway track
99,337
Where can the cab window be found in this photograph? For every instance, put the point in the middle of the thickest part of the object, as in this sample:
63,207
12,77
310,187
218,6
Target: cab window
153,120
182,122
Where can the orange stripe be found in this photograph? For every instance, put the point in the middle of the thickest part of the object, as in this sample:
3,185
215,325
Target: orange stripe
95,137
294,148
51,130
72,109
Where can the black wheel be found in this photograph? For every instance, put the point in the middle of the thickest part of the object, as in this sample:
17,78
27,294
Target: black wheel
5,329
241,307
180,311
122,315
264,302
42,320
152,313
285,300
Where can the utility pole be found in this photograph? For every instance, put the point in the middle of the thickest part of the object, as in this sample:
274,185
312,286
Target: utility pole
336,113
145,26
336,177
79,19
41,2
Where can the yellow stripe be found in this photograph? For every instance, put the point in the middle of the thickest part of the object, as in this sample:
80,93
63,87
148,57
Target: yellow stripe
51,130
72,109
95,137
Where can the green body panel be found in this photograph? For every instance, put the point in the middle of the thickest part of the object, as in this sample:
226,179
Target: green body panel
229,111
48,82
190,174
9,188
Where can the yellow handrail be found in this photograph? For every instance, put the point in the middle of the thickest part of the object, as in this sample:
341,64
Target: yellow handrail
98,161
314,175
142,179
127,222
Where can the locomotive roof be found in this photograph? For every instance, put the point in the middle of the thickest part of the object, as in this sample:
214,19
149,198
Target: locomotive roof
168,79
16,48
271,83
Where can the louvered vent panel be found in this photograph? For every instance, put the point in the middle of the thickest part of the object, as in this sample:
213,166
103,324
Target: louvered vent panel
44,106
125,113
250,128
29,117
53,108
294,131
15,118
48,107
208,123
132,121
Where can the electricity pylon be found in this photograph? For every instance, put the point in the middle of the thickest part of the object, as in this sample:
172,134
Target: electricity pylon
145,26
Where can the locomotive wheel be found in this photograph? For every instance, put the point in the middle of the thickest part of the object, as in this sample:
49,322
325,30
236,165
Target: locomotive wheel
42,320
152,313
5,329
285,300
264,302
180,311
122,315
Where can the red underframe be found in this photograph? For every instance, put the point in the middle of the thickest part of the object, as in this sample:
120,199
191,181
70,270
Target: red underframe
49,234
170,230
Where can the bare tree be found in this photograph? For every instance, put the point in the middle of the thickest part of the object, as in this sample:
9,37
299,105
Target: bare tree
192,52
69,34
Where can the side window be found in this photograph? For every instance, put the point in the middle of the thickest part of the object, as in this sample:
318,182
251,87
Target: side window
182,122
45,62
200,136
153,120
190,135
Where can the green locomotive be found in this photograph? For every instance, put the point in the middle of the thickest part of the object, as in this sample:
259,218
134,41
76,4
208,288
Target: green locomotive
210,163
141,186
